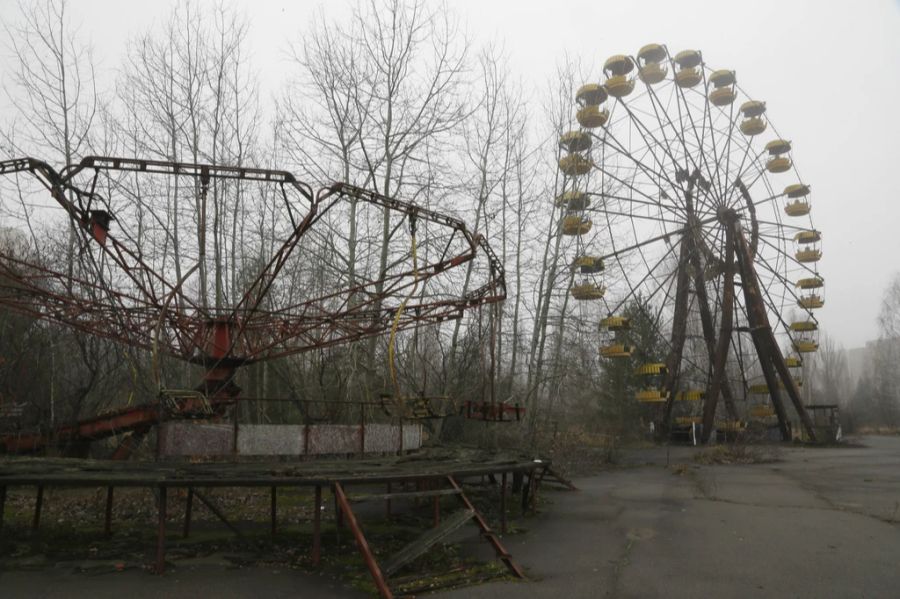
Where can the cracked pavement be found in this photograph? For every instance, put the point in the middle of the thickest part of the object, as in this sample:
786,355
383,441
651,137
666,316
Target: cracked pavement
820,522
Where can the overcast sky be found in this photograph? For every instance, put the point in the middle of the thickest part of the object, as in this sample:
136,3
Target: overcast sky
828,71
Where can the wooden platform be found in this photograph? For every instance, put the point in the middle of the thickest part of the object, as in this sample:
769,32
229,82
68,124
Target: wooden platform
430,463
426,469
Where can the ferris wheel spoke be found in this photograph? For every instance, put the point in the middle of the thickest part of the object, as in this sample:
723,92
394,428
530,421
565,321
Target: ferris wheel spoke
645,131
634,288
656,204
649,199
770,301
685,111
657,105
648,172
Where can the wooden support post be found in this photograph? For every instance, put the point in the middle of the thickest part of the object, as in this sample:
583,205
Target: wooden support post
437,510
161,532
188,510
38,505
534,482
362,430
274,509
526,489
317,527
503,503
338,513
2,504
107,520
387,503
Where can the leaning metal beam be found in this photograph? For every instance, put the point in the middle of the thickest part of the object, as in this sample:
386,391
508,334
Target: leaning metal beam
709,331
761,329
724,341
679,330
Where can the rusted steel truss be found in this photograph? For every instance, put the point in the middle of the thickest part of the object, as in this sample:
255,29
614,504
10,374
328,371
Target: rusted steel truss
115,287
157,304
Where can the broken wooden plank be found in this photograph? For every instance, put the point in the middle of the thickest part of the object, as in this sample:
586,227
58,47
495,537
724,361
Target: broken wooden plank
426,541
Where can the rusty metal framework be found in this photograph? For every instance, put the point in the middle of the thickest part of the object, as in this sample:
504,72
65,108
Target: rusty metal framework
132,250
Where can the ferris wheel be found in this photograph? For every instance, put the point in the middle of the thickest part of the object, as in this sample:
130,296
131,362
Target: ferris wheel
686,202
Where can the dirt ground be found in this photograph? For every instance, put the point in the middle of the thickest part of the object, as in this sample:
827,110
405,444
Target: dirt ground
806,522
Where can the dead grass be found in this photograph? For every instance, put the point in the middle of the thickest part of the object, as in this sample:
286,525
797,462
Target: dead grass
737,454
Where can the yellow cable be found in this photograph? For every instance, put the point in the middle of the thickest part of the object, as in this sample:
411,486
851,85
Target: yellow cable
395,326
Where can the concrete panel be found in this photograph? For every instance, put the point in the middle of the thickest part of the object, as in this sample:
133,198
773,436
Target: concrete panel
195,439
412,436
382,438
270,439
334,438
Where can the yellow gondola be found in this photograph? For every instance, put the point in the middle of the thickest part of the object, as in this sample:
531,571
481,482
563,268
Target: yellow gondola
797,208
575,141
615,323
807,255
617,68
796,190
588,264
688,74
811,283
759,389
762,411
804,326
731,426
806,347
591,94
591,117
616,350
587,291
652,395
574,165
574,224
688,420
651,70
808,237
690,395
811,302
793,362
778,162
652,369
724,93
573,200
753,123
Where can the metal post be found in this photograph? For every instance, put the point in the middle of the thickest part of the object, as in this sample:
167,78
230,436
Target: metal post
107,522
437,508
274,509
2,504
38,504
188,508
362,544
503,503
317,527
362,430
161,532
387,503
